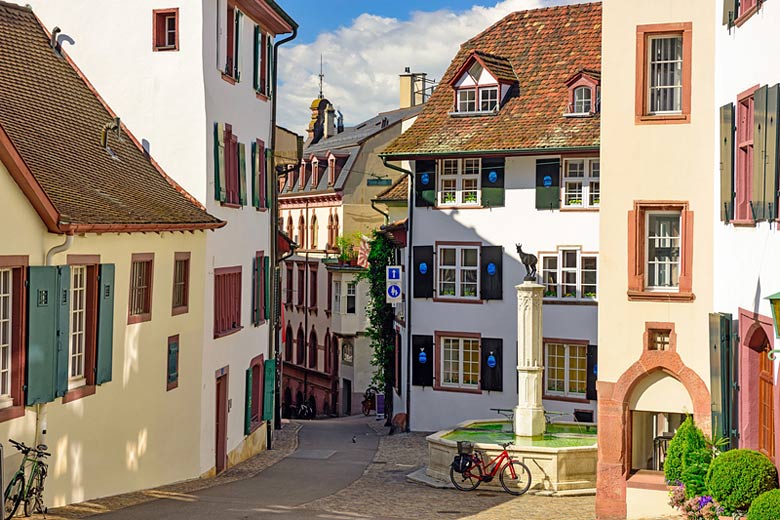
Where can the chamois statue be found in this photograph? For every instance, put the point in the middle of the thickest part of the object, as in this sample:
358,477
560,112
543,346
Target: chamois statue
529,261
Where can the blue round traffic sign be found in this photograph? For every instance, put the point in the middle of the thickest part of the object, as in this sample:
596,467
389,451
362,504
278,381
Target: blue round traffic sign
491,361
423,267
493,176
425,178
394,291
422,357
491,269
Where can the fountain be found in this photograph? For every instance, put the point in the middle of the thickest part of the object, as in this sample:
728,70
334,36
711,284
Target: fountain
562,456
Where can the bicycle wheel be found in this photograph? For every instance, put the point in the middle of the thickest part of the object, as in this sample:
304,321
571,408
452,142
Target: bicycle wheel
518,484
13,495
33,503
468,480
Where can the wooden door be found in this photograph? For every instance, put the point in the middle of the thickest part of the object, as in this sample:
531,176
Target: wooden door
221,423
766,417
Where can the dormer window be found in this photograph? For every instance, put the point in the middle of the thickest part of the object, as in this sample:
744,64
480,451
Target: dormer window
481,84
583,94
582,100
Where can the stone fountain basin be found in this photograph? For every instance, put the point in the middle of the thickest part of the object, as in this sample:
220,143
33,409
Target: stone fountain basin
560,462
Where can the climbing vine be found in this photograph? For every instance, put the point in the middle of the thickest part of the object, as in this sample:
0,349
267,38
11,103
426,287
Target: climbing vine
380,314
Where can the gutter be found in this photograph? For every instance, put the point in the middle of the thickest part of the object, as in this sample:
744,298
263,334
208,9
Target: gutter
271,190
489,153
135,228
408,317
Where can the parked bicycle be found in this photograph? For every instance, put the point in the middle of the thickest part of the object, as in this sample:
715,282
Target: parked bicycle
470,469
305,411
369,400
32,492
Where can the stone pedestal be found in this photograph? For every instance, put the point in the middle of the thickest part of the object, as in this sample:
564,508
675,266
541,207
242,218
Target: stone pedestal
529,413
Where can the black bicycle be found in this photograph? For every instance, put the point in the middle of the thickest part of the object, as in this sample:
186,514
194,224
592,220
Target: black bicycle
32,492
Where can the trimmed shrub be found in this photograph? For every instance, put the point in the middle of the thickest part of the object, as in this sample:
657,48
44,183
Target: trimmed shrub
766,506
673,465
688,459
737,477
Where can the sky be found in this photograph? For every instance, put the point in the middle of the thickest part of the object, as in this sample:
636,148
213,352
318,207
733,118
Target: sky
366,44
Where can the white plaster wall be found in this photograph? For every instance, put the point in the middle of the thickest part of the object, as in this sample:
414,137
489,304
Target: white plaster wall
537,230
746,258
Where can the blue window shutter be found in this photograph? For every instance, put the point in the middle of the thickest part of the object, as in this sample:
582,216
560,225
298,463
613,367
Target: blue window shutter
269,389
42,335
63,329
219,162
105,328
248,403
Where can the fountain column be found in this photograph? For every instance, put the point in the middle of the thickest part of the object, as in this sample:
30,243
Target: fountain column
529,413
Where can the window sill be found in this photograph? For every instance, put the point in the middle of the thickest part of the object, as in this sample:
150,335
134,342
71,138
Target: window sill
176,311
78,393
660,296
171,386
569,301
230,332
742,18
647,479
457,300
473,114
166,48
565,399
12,412
744,223
328,313
233,205
261,96
230,79
139,318
457,389
300,307
579,208
578,115
261,210
459,206
313,310
666,119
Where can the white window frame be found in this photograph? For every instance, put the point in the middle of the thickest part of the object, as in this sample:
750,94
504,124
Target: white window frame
589,183
579,105
170,34
677,88
351,293
6,335
78,326
482,94
465,102
459,270
460,361
559,271
654,264
567,358
337,296
458,180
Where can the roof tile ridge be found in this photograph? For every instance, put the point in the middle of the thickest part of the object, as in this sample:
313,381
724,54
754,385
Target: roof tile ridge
15,6
175,185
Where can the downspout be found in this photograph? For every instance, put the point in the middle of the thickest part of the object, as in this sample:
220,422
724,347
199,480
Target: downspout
40,408
408,321
386,215
271,192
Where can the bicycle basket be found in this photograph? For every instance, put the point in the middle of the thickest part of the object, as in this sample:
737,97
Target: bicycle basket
465,448
462,463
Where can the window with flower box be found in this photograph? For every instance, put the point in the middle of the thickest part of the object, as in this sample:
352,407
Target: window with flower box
569,273
458,272
566,370
581,183
460,362
459,182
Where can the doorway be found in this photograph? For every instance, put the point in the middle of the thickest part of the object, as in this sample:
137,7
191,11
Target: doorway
221,420
347,385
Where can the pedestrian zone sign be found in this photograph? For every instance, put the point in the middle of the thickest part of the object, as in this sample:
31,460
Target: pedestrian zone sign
393,284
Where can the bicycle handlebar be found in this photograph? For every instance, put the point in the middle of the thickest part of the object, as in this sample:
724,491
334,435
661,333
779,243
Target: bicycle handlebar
40,450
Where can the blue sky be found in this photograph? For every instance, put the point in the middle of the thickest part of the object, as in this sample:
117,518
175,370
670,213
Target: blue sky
316,17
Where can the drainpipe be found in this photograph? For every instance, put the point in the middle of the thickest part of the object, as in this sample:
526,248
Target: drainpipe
40,408
410,205
386,215
271,192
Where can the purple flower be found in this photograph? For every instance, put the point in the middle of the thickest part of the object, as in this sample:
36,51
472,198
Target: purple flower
703,501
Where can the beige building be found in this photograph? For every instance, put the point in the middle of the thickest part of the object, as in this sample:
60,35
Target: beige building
102,353
656,268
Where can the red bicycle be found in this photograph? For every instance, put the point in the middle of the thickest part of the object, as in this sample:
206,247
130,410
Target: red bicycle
469,470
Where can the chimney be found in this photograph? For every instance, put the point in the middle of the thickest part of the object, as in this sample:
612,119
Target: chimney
412,88
330,122
339,122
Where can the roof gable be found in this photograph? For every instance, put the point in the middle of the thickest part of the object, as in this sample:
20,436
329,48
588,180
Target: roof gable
481,68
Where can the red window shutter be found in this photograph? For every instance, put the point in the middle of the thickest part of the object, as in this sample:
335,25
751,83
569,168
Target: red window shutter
686,271
635,256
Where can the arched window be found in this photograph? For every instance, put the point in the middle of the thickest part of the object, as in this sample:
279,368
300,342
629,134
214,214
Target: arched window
301,358
290,227
314,232
583,100
302,232
327,353
313,348
331,244
335,229
288,344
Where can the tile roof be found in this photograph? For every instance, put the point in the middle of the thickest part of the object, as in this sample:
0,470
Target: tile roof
545,47
51,122
498,66
399,191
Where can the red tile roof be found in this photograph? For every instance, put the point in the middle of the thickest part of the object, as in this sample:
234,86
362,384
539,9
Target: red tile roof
50,141
399,191
545,47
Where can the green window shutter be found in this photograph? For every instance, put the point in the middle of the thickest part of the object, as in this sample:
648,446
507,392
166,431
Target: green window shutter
248,403
255,67
548,183
491,277
41,335
269,53
219,162
63,329
255,180
772,143
722,379
267,181
422,360
726,162
242,173
255,292
105,328
493,182
422,277
759,154
173,361
237,39
425,184
491,352
269,389
266,287
729,12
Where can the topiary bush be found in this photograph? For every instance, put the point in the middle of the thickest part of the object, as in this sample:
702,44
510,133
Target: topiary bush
673,465
737,477
688,459
766,506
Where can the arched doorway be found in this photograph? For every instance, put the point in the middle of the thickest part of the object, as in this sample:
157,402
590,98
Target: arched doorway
313,348
288,343
301,358
327,353
287,403
760,383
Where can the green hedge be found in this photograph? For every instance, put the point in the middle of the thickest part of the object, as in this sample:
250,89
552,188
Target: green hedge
737,477
766,506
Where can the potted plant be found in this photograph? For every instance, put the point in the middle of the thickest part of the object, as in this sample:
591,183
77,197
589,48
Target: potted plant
347,246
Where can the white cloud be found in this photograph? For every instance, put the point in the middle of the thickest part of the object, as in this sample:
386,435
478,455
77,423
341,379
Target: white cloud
363,60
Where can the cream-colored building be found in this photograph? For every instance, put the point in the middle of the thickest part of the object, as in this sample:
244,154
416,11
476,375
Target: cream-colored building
102,353
656,267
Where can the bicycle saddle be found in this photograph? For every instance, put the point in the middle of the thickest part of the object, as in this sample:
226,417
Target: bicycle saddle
42,447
